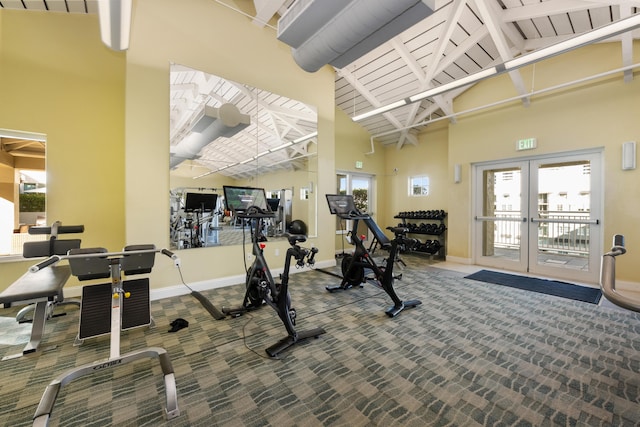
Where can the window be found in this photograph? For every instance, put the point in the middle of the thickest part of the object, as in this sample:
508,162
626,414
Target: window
359,186
419,185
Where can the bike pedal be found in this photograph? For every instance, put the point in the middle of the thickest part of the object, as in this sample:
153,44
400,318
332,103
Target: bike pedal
398,277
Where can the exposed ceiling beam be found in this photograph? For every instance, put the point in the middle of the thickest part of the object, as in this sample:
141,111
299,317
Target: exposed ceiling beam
492,24
425,78
366,94
627,45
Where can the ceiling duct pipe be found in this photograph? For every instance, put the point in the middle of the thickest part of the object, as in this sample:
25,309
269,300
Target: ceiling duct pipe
225,121
337,32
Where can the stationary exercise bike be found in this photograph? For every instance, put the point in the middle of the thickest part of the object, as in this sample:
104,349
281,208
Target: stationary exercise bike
261,288
354,265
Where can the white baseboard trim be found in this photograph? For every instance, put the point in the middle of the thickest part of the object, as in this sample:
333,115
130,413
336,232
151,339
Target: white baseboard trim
459,260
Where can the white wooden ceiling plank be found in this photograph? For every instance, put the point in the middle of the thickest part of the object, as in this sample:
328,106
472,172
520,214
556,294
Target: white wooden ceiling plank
562,24
536,9
580,21
396,89
600,16
372,69
394,68
469,19
91,5
455,72
528,29
78,6
544,27
479,56
12,4
35,4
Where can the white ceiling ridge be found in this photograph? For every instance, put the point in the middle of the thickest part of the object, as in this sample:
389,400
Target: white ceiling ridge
516,98
440,63
491,22
602,33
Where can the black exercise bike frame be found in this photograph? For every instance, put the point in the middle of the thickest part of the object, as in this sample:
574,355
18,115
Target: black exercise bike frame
261,287
354,265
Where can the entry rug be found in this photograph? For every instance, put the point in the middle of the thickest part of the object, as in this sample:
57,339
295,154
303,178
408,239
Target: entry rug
549,287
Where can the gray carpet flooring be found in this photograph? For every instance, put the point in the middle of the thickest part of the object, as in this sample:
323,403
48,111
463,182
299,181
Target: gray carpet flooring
473,354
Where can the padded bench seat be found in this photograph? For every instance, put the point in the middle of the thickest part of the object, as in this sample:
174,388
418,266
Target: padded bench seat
41,287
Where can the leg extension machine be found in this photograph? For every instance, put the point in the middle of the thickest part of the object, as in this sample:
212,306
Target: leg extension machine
95,263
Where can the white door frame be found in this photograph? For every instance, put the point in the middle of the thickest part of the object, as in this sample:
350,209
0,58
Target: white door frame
528,255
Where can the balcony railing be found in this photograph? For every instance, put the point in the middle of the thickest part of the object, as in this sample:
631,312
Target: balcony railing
565,232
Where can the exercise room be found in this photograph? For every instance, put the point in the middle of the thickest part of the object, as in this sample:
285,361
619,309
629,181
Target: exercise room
311,213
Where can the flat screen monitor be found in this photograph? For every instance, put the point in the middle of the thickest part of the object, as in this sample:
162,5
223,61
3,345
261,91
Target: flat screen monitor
342,205
241,198
202,202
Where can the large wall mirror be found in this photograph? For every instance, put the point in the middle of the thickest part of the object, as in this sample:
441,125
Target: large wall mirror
226,133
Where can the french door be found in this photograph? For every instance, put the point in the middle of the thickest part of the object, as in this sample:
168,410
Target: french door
541,215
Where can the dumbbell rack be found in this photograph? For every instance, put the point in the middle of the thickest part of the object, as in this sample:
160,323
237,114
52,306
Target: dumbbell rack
430,223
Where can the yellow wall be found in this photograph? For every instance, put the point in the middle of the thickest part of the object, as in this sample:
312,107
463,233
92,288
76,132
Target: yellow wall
204,35
58,79
428,158
602,114
353,143
597,114
108,142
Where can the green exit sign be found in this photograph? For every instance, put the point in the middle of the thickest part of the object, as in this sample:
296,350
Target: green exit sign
526,144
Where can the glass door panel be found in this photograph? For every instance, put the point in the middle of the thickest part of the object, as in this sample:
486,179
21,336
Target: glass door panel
540,216
564,224
499,227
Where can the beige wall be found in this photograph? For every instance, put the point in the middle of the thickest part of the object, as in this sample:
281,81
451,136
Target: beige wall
592,115
58,79
600,114
114,178
353,144
428,158
204,35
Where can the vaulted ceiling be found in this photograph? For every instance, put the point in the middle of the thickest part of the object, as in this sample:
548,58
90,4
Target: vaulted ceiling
461,38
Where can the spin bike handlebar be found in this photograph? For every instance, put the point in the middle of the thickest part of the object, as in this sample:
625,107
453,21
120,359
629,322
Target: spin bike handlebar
608,276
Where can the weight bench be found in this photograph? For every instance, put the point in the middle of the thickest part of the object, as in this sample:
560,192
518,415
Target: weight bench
41,290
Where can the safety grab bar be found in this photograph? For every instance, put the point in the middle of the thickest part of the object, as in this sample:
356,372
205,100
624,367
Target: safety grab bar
608,277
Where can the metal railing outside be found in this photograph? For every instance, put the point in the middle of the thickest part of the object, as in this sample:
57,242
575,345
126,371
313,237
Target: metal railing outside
562,232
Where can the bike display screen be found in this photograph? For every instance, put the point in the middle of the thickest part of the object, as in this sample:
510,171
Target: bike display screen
342,205
241,198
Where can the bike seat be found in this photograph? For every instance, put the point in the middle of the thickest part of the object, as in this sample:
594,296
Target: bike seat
295,238
398,230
